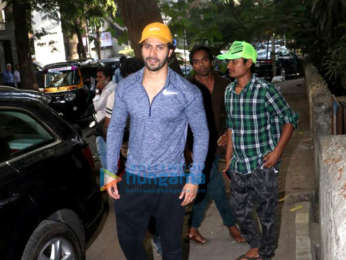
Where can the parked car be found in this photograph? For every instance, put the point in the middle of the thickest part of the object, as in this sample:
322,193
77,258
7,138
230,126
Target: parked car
285,61
50,203
71,86
290,64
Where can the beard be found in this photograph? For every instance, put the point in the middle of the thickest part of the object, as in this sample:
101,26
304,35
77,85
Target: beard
155,64
203,72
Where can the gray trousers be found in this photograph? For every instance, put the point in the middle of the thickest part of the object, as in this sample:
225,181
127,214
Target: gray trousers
256,191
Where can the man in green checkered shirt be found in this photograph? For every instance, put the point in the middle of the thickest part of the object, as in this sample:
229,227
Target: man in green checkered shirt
260,124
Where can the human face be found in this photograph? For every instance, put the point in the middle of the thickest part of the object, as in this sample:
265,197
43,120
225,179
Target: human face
237,68
101,80
155,54
201,63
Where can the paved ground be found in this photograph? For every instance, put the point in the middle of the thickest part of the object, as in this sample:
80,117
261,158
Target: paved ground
296,183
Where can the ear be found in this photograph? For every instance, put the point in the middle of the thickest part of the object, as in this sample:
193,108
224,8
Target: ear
249,63
170,52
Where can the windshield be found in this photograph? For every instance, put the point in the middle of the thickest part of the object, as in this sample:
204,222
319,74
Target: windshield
64,76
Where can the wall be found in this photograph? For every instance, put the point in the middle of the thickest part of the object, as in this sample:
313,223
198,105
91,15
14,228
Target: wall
333,197
320,106
330,168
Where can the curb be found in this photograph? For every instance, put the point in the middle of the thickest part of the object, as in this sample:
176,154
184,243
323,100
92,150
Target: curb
302,221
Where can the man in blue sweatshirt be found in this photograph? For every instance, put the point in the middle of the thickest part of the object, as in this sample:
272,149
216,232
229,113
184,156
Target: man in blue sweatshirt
160,105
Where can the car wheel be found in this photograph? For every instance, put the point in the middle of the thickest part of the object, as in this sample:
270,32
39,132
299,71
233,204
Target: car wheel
53,240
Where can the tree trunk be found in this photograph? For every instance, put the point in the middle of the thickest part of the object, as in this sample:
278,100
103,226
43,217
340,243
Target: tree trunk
98,42
71,47
80,46
22,18
70,40
136,14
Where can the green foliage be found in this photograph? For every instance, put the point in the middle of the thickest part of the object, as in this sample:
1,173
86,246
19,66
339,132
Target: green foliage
335,61
316,27
219,22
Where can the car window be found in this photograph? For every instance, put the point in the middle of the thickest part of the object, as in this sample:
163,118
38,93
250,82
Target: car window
65,76
19,133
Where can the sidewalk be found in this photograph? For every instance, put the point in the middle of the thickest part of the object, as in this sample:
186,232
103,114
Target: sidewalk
296,186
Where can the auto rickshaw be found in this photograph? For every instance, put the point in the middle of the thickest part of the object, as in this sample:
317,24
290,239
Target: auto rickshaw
71,86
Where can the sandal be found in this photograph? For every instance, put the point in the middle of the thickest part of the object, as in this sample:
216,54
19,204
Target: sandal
236,235
198,238
249,257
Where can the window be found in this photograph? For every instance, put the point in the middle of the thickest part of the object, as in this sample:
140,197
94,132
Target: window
20,133
59,77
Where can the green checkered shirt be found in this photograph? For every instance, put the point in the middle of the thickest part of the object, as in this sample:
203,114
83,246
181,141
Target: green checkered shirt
256,117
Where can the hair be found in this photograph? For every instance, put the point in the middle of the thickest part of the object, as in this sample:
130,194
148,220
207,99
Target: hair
122,59
197,48
106,71
252,68
169,44
130,66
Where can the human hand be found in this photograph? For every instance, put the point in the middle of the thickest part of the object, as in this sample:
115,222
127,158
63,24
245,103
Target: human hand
225,169
101,83
189,193
222,141
270,159
112,190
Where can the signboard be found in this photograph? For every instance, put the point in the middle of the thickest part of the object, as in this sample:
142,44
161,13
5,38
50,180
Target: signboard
49,48
106,39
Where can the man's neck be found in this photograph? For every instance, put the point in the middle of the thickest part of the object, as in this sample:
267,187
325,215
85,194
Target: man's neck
207,80
243,80
155,76
154,81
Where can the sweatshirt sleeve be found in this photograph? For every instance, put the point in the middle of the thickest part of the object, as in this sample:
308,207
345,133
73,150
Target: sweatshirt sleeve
115,134
198,123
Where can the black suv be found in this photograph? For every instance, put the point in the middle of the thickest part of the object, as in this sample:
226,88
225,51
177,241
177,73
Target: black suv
50,204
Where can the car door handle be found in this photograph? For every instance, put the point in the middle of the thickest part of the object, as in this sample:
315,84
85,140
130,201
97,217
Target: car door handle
13,197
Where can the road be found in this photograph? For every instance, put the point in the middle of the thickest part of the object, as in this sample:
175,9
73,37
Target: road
296,180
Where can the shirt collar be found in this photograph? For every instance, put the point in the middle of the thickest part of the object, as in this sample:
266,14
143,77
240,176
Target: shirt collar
249,85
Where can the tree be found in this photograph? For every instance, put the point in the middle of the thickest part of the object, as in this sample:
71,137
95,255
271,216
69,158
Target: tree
97,13
136,14
22,16
330,18
217,23
77,18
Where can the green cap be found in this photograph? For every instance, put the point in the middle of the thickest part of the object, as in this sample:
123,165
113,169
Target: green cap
238,50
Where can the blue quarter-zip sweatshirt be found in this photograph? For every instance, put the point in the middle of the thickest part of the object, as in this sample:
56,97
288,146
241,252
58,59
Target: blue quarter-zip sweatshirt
158,130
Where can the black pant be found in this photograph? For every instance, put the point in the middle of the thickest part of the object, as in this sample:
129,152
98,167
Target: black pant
258,190
141,198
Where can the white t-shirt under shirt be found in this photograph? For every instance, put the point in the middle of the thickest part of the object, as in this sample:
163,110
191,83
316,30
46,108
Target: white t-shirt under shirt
100,101
109,105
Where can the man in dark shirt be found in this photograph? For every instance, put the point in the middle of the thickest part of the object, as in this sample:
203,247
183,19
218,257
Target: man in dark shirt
7,76
212,87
